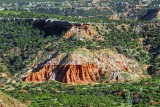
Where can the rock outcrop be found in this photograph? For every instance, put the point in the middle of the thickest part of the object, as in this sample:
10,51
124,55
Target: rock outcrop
72,69
67,29
84,66
79,74
41,75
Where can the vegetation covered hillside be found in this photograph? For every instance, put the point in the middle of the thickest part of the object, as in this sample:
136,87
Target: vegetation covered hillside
7,101
136,94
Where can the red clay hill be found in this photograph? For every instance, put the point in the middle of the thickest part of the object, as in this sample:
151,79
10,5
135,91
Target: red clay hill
85,66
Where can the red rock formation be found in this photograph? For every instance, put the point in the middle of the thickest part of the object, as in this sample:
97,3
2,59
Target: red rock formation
40,75
84,66
81,74
72,74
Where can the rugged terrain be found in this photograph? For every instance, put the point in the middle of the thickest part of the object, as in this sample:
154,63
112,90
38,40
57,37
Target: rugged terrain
111,9
85,66
66,29
80,53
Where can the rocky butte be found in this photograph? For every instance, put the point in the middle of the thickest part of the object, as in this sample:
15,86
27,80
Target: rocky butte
85,66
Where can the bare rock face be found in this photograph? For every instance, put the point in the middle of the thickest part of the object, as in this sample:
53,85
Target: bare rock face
79,74
84,66
41,75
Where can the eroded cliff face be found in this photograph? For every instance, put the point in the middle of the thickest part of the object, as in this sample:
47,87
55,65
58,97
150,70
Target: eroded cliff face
72,74
41,75
79,74
85,66
67,29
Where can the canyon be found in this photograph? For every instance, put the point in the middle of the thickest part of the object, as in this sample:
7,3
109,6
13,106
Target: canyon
83,65
89,53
